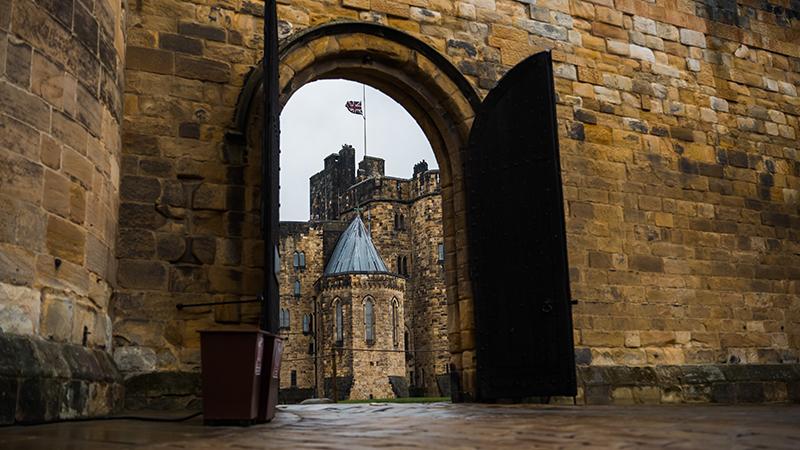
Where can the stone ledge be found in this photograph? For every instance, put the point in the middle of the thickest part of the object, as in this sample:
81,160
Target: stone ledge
717,383
43,381
163,391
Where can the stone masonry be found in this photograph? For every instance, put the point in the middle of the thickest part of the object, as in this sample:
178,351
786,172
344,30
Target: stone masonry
405,222
61,111
678,127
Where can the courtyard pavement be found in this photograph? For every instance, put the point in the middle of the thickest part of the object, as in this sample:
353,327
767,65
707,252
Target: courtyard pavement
442,425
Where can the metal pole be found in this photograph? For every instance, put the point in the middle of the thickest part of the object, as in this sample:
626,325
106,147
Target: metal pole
269,166
364,111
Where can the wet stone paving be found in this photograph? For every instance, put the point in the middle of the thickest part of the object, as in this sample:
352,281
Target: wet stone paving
442,425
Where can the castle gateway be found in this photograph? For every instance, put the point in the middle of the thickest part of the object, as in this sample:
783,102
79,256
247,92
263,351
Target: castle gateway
130,150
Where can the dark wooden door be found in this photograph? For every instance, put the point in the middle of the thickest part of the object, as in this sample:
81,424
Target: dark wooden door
270,170
517,244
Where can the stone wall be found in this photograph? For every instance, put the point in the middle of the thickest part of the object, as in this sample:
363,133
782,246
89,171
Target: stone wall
299,351
328,185
678,124
678,129
189,197
426,290
60,118
405,220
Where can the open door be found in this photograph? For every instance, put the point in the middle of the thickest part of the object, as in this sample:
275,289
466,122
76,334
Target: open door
517,240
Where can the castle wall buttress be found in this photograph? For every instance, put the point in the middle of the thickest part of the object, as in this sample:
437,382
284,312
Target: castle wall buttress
61,114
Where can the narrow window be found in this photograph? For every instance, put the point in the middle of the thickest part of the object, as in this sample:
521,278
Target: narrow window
284,318
395,322
296,260
400,265
369,321
441,254
405,265
294,378
297,288
402,222
396,221
339,323
306,324
302,260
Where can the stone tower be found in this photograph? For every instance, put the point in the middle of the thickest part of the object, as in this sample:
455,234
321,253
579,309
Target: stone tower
328,185
360,305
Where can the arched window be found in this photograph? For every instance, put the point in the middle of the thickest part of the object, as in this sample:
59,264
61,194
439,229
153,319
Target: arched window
369,320
338,322
284,321
296,260
405,265
395,322
440,251
297,288
302,260
402,222
306,324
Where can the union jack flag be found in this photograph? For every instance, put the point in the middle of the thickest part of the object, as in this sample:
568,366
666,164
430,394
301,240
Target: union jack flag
355,107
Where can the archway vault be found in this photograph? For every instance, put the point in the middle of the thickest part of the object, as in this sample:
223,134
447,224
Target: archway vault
439,98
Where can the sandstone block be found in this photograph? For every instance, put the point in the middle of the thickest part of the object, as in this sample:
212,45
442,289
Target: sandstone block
140,189
137,274
204,249
150,60
19,138
646,263
57,318
17,265
693,38
197,30
171,247
24,106
77,166
644,25
643,53
19,310
135,359
19,70
65,240
178,43
50,152
209,196
56,193
202,69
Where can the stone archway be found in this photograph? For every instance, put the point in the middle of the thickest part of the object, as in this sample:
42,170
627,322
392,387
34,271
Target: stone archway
439,98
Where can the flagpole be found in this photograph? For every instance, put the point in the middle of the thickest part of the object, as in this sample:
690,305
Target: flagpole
364,110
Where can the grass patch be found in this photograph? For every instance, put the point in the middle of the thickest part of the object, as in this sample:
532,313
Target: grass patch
401,400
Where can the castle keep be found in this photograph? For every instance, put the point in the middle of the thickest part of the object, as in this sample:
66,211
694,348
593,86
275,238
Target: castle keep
130,147
335,263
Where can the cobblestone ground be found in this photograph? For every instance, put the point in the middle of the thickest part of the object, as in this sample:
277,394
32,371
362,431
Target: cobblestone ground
442,426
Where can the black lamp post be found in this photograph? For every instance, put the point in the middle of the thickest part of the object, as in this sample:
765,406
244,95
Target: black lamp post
270,169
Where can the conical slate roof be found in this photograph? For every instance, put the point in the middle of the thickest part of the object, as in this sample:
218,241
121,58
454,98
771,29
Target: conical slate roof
355,252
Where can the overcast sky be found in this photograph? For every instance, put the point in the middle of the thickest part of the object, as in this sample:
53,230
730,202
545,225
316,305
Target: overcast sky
315,123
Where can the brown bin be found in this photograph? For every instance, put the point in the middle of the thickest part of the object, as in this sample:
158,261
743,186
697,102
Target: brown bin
240,370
